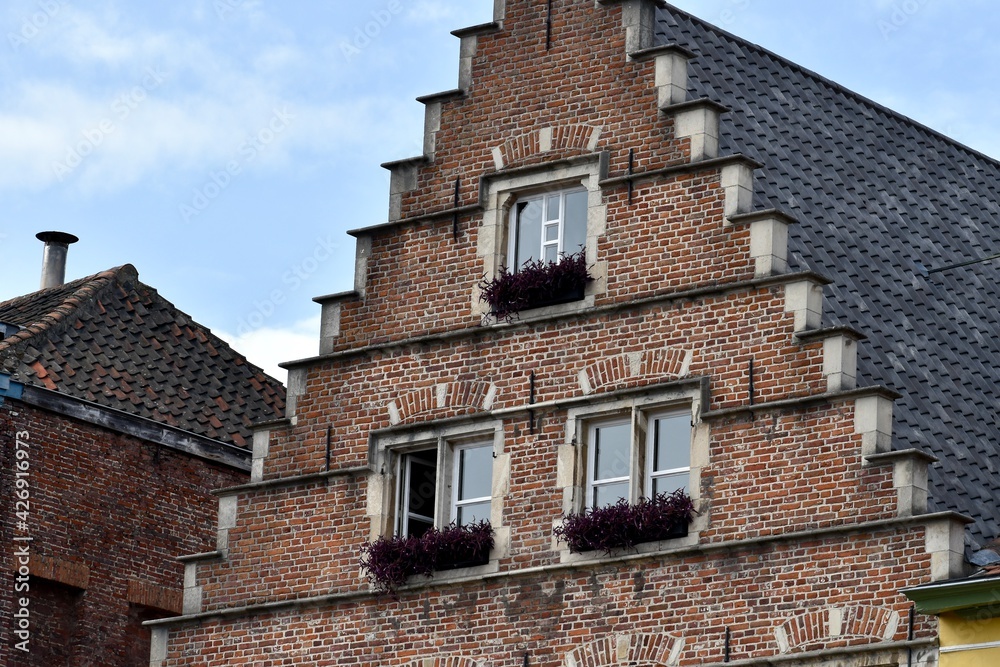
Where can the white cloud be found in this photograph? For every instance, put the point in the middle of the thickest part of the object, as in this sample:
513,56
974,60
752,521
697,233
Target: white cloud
267,347
431,11
97,147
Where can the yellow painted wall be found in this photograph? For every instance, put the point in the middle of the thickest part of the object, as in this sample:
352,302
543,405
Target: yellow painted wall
958,631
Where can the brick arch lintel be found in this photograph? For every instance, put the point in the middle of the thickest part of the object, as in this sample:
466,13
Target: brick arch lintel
813,626
478,396
634,650
621,369
444,661
556,139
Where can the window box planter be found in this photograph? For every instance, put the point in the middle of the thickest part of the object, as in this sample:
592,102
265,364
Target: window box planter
623,526
536,284
390,561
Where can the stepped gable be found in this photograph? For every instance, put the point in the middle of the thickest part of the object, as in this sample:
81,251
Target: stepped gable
880,199
112,340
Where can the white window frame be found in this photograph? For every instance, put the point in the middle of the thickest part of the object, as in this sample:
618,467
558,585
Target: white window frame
446,473
686,397
388,446
502,190
593,484
559,223
649,473
456,471
404,484
641,456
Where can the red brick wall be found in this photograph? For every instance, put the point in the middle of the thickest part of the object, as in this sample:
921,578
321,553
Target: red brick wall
108,515
550,615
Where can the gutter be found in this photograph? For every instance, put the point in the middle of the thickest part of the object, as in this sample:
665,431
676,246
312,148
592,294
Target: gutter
119,421
970,593
9,388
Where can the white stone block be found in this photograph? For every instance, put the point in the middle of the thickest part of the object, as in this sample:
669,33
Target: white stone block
545,139
227,511
700,124
737,182
873,422
192,600
158,646
805,299
769,246
261,443
671,79
840,363
432,123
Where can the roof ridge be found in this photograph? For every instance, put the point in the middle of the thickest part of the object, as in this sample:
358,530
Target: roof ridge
90,287
833,84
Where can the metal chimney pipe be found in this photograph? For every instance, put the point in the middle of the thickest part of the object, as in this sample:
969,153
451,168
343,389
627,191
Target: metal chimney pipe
54,257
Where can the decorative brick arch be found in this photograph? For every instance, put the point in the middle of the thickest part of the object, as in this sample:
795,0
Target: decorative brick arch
640,650
815,626
475,396
560,139
444,661
631,367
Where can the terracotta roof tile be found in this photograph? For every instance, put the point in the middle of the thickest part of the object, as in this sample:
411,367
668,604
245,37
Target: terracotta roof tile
110,339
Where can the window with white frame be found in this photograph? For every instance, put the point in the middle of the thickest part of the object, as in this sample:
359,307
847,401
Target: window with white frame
638,455
545,226
445,484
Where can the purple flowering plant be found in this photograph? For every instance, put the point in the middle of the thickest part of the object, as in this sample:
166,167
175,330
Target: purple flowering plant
537,283
390,561
623,525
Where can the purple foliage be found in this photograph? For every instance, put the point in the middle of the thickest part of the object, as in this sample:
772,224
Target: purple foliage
623,525
535,284
389,561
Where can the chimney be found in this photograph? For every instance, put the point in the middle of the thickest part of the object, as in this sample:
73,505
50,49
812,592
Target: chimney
54,257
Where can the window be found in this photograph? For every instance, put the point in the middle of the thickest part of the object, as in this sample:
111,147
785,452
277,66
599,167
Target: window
623,463
548,225
467,486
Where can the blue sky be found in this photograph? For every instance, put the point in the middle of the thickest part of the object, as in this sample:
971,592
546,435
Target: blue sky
223,147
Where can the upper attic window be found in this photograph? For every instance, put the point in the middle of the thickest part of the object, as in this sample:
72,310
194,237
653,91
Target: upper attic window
548,225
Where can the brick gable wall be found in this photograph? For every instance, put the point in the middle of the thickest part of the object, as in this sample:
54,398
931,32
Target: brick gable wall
808,524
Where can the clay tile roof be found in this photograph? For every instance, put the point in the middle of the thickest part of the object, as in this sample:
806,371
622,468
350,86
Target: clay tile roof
880,199
112,340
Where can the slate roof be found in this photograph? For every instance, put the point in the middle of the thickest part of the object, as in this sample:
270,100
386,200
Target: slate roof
880,199
114,341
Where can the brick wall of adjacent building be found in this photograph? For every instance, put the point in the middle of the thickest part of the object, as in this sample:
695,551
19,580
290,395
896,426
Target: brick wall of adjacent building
108,514
803,538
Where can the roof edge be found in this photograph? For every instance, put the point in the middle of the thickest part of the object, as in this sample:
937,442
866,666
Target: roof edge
90,287
833,84
186,442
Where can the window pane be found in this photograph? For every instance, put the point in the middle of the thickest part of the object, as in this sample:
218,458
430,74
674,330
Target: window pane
475,472
672,442
473,513
609,494
575,224
551,253
417,527
553,208
611,453
418,493
529,232
420,496
551,232
670,483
